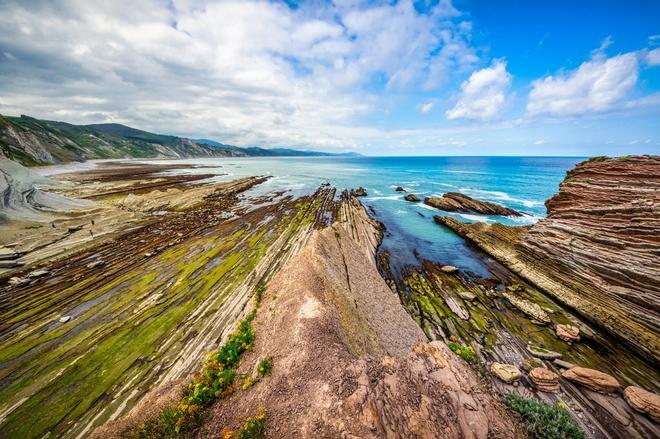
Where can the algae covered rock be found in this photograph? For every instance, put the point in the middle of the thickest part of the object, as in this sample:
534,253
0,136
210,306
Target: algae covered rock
542,353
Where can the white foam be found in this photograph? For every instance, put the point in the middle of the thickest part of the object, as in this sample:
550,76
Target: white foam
481,219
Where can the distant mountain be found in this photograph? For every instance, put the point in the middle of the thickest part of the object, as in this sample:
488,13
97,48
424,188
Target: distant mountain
255,151
31,142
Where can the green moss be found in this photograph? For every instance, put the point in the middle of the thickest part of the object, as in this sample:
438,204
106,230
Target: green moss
464,351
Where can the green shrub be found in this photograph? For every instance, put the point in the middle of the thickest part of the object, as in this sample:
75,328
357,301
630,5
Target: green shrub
464,351
265,366
544,421
259,293
164,426
254,428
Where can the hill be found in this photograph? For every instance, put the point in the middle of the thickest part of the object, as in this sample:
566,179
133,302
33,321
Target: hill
32,142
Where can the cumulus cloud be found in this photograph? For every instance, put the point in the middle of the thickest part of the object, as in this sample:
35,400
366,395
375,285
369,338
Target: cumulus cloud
483,94
599,85
653,57
245,72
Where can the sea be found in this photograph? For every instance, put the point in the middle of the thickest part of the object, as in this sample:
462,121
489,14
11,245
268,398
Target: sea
411,235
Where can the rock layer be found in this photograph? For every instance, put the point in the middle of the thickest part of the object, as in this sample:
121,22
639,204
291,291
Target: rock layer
457,202
597,251
643,401
593,379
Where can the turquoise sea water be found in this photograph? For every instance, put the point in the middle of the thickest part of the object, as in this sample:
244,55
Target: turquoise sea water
522,183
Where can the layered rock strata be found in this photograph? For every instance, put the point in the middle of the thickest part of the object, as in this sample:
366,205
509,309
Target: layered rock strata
457,202
597,250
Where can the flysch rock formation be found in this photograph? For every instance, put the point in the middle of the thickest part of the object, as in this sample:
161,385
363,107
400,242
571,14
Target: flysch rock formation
597,250
457,202
348,361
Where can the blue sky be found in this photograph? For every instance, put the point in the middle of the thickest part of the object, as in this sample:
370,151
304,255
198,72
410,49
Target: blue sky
377,77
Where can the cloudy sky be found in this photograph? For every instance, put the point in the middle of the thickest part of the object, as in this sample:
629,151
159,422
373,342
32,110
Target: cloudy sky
377,77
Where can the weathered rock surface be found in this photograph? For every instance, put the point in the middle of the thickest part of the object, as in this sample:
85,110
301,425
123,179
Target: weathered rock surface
532,363
595,380
457,202
544,379
531,309
359,192
412,198
597,251
449,269
643,401
568,333
542,353
506,372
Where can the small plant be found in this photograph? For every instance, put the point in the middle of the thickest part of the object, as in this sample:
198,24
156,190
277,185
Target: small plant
544,421
254,428
265,366
464,351
258,294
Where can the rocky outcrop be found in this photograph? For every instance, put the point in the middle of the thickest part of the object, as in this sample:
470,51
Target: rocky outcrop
412,198
506,372
457,202
643,401
593,379
544,379
597,251
359,192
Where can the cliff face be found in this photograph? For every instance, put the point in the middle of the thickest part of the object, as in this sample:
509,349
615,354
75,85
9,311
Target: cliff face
598,249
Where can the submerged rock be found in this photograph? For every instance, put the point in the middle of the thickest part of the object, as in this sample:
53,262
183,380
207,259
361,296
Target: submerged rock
542,353
506,372
643,401
568,333
457,202
545,380
412,198
593,379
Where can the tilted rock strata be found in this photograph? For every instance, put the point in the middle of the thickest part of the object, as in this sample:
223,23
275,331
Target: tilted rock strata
457,202
347,358
544,379
597,251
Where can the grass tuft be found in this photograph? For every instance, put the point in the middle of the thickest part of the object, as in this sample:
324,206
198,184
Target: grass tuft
464,351
544,421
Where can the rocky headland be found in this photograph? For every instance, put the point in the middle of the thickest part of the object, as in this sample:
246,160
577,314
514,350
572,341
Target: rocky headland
597,250
457,202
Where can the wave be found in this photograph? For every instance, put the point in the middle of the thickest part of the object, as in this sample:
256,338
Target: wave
477,218
501,196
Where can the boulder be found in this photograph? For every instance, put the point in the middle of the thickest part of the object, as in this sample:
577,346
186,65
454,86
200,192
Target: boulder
506,372
65,319
449,269
466,295
643,401
544,379
563,364
38,273
593,379
568,333
542,353
412,198
399,189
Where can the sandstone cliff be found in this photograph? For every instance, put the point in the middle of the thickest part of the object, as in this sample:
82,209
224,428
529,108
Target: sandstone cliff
598,249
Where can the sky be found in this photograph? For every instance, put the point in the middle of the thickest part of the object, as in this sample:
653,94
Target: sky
376,77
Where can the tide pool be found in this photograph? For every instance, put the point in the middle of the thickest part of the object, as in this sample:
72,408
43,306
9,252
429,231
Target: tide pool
522,183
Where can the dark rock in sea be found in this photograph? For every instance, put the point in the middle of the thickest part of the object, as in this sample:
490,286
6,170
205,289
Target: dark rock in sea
399,189
359,192
412,197
457,202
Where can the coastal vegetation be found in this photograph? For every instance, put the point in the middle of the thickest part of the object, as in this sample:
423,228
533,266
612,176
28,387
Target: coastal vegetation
544,421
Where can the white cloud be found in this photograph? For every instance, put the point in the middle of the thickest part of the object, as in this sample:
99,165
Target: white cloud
653,57
598,85
483,94
425,108
244,72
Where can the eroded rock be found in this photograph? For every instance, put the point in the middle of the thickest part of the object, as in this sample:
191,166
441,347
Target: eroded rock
542,353
544,379
506,372
568,333
457,202
531,309
593,379
412,198
643,401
